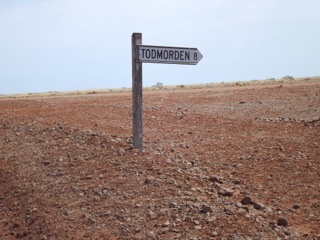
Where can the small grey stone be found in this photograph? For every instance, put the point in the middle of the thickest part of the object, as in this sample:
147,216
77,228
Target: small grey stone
149,180
258,206
122,151
43,237
165,230
228,211
211,219
226,192
151,214
165,224
151,236
206,208
173,205
46,162
215,178
287,232
196,222
214,233
198,227
296,206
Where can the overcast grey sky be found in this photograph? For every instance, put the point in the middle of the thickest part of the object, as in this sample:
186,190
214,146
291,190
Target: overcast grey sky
62,45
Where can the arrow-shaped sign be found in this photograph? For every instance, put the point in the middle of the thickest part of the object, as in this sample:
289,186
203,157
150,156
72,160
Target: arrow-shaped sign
170,55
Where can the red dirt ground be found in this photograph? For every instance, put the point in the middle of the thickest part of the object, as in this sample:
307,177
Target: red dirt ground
68,169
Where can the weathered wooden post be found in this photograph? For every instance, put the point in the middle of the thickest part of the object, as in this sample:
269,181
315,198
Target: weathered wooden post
137,91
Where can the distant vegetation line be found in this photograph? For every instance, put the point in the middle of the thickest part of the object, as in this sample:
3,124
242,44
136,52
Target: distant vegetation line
160,86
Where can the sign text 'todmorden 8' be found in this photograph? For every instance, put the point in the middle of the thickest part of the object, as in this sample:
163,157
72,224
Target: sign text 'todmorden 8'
171,55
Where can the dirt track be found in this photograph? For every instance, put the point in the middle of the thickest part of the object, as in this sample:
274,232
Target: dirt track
68,170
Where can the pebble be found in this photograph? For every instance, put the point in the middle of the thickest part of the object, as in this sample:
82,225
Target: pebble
122,151
215,178
206,208
228,211
166,224
246,201
151,235
211,219
287,232
214,234
165,230
46,162
151,214
198,227
225,192
258,206
282,222
173,205
149,180
296,206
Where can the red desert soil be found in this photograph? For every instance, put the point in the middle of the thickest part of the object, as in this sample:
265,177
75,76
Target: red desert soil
218,163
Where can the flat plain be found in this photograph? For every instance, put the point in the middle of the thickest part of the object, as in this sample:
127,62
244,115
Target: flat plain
219,162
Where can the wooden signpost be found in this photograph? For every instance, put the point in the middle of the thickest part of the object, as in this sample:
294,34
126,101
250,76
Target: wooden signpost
152,54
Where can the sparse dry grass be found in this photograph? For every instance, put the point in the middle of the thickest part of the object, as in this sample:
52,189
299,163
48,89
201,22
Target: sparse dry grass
270,81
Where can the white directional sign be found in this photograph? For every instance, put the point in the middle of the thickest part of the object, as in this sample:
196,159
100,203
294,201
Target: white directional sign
171,55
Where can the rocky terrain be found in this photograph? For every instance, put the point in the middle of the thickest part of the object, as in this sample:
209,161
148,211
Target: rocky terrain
239,162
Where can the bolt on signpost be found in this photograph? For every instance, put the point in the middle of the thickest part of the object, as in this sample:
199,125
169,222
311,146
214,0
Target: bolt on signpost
152,54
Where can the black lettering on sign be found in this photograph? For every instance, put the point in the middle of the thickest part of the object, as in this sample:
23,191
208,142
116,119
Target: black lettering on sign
176,55
171,53
142,52
153,54
165,54
187,56
195,56
148,53
181,55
